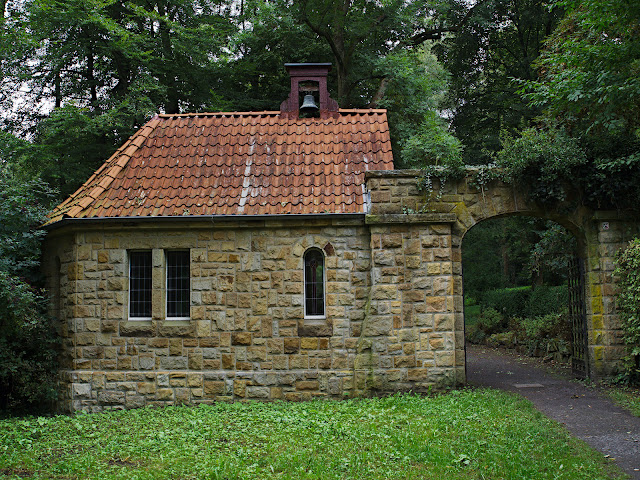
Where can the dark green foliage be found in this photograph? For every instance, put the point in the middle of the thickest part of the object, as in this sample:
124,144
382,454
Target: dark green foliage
628,306
91,73
544,334
542,162
491,321
590,68
27,348
533,320
27,339
413,89
516,251
546,299
588,87
510,302
526,301
498,43
268,37
23,207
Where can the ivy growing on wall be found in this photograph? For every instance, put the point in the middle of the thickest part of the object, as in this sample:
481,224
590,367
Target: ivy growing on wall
551,167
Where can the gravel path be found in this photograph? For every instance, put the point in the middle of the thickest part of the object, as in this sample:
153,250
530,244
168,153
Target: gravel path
586,412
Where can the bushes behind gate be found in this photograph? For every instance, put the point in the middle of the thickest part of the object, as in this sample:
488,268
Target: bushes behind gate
526,301
535,320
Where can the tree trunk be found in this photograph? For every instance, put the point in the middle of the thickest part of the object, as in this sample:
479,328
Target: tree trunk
172,104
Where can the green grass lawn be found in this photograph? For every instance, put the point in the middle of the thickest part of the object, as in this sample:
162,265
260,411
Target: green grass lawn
626,397
469,434
471,311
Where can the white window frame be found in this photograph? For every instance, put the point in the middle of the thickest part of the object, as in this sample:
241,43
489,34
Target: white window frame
129,289
324,284
166,270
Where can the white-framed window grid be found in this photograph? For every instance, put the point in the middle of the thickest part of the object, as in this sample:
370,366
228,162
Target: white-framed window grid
178,285
140,284
314,284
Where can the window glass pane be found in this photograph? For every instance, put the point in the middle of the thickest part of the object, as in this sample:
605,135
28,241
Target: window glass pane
140,285
314,283
178,278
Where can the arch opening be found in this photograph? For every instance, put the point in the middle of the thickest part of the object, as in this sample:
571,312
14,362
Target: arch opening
523,290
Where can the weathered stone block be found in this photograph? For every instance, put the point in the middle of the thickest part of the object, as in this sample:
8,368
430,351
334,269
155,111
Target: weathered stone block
164,394
136,329
307,385
81,390
214,388
173,363
255,354
158,342
309,343
175,346
241,338
228,361
194,380
258,392
315,330
134,401
195,362
111,397
291,345
146,362
376,326
176,329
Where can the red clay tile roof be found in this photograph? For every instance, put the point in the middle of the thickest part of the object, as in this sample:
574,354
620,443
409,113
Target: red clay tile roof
237,164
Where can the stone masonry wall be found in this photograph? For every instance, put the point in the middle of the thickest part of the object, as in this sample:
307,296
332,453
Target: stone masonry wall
394,306
395,197
415,293
247,336
606,234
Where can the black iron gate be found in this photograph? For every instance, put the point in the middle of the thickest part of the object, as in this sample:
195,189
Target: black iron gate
578,318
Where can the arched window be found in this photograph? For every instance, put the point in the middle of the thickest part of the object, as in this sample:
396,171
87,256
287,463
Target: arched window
313,283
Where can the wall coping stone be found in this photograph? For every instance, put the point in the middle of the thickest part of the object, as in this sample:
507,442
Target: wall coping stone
414,218
392,173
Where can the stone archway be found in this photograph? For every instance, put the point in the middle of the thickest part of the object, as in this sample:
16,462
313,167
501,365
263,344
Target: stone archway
413,335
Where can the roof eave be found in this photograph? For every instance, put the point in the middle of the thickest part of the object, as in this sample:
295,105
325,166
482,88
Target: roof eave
182,218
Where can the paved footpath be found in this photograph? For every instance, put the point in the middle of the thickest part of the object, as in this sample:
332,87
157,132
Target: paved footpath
587,413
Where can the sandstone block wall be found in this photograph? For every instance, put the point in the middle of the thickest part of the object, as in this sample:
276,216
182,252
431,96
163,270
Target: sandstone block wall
247,336
394,306
599,234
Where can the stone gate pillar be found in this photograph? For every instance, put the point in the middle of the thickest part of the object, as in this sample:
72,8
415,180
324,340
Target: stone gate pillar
412,336
606,234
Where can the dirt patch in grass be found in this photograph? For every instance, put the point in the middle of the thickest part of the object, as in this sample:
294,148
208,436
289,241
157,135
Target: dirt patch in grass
122,462
20,472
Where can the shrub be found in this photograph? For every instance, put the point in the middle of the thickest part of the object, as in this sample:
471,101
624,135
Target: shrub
541,161
544,300
27,348
543,334
491,321
510,302
527,302
27,340
628,306
474,335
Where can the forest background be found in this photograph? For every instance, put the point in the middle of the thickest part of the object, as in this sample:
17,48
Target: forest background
548,91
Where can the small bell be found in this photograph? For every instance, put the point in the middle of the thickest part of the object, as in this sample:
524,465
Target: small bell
308,104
